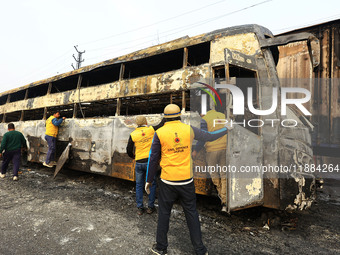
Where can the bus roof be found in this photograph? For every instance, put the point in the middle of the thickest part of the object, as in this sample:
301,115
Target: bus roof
154,50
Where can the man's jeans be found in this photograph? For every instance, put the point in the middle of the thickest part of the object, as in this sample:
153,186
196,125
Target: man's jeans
51,141
15,157
140,184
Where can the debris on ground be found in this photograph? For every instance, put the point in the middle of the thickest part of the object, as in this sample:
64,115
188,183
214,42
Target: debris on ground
81,213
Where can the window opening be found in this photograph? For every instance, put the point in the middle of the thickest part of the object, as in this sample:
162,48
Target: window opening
199,54
37,91
101,75
160,63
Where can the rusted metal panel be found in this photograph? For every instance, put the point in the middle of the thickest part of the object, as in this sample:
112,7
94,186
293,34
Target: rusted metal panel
312,42
62,159
324,106
323,113
123,167
294,63
325,94
335,87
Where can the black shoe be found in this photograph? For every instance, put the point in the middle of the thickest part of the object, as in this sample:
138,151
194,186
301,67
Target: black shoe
150,210
140,210
154,250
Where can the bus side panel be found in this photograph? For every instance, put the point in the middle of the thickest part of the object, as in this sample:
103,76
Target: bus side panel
91,144
122,165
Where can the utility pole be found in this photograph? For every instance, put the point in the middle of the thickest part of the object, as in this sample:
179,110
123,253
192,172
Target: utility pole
78,60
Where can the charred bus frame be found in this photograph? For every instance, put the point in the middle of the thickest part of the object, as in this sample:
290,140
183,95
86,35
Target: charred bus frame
101,101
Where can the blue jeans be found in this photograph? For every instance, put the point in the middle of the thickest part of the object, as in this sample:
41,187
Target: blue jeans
51,141
13,156
140,183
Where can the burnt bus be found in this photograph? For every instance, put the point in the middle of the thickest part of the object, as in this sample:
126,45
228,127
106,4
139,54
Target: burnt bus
101,101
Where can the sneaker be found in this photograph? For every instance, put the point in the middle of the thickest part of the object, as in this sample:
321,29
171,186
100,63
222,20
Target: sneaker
140,210
15,178
224,208
154,250
150,210
53,163
2,176
47,165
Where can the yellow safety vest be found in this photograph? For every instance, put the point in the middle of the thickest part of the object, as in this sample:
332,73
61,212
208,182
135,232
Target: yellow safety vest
51,129
220,143
176,139
142,137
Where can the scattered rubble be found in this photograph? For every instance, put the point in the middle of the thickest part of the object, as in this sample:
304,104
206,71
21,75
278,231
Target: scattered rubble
80,213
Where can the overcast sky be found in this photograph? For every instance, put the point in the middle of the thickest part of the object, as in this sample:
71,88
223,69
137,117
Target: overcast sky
38,36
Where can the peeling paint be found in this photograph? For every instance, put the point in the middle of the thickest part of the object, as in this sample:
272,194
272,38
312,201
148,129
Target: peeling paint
254,189
245,43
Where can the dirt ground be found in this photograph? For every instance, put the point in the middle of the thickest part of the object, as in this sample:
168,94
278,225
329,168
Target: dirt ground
80,213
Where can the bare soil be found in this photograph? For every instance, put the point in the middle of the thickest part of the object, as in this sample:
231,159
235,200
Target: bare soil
81,213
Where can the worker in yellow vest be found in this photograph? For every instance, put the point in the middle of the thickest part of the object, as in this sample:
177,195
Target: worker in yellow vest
216,153
141,139
52,128
171,148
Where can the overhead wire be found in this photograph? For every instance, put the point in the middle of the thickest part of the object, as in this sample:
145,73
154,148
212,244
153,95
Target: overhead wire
190,25
42,69
164,33
39,70
182,28
310,23
156,23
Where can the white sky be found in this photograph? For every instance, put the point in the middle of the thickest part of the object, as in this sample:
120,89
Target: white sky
38,35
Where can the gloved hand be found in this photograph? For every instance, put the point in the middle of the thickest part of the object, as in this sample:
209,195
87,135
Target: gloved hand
147,187
229,126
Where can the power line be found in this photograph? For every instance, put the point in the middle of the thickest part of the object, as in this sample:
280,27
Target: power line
190,25
43,68
164,20
186,27
311,23
166,33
